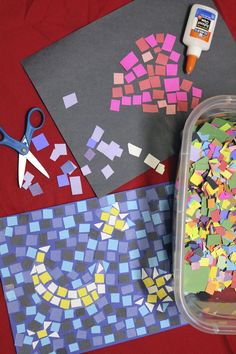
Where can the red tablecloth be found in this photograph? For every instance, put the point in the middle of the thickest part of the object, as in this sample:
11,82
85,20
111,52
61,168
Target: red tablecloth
27,26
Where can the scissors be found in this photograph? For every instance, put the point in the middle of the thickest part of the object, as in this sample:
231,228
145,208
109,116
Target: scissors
22,147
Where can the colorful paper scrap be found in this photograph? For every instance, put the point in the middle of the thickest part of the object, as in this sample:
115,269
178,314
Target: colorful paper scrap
155,67
210,227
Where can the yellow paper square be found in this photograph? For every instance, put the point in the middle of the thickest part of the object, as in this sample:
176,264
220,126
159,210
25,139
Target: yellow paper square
40,257
42,334
45,277
152,298
119,224
160,282
47,296
161,293
114,211
108,229
94,295
213,272
99,278
82,292
65,304
105,216
204,262
35,279
87,300
196,179
148,282
62,291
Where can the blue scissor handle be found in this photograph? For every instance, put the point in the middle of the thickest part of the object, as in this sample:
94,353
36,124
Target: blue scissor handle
30,128
5,139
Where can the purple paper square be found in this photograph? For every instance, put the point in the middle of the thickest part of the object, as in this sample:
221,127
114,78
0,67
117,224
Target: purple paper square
89,155
91,143
63,180
35,189
40,142
107,171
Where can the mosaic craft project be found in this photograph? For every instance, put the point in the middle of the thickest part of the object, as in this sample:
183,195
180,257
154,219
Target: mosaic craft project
210,250
151,78
88,274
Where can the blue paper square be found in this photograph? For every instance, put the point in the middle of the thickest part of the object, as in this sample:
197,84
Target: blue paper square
47,213
77,323
113,244
123,267
115,297
5,272
132,205
12,220
156,219
31,252
67,266
20,328
112,319
82,206
3,249
129,323
74,347
64,234
9,231
165,323
92,244
40,142
162,255
84,228
34,226
69,222
79,255
63,180
109,338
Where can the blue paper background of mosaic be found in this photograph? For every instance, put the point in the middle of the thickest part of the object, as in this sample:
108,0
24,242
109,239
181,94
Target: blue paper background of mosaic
73,232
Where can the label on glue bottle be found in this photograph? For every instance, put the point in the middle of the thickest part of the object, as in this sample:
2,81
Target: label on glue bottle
203,25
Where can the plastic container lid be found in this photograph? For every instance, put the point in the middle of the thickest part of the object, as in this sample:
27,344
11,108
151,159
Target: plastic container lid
214,313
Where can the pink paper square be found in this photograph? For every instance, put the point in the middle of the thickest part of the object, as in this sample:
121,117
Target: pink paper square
129,61
169,42
195,102
186,85
182,96
129,89
126,101
162,59
117,92
129,77
118,78
171,84
147,56
162,104
151,40
146,97
139,70
142,44
150,70
171,69
144,85
157,50
137,100
171,109
115,105
150,108
155,81
160,37
171,98
160,70
197,92
158,94
182,106
174,56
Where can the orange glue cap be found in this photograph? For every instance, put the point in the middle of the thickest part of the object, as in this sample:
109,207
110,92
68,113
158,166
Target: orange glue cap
191,62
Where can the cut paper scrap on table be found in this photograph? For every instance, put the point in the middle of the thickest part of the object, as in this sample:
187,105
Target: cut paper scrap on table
210,226
151,79
80,276
56,73
112,151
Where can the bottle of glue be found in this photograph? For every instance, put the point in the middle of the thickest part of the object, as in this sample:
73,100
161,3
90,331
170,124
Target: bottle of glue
198,33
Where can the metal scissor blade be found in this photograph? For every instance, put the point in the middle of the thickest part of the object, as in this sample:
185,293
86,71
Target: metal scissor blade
32,159
21,169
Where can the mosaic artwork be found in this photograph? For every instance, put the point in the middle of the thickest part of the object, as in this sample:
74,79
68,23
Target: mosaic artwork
88,274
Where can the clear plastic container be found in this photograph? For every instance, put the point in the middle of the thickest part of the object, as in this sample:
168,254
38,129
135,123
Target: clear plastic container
210,313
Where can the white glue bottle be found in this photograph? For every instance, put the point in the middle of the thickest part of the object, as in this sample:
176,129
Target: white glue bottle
198,33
